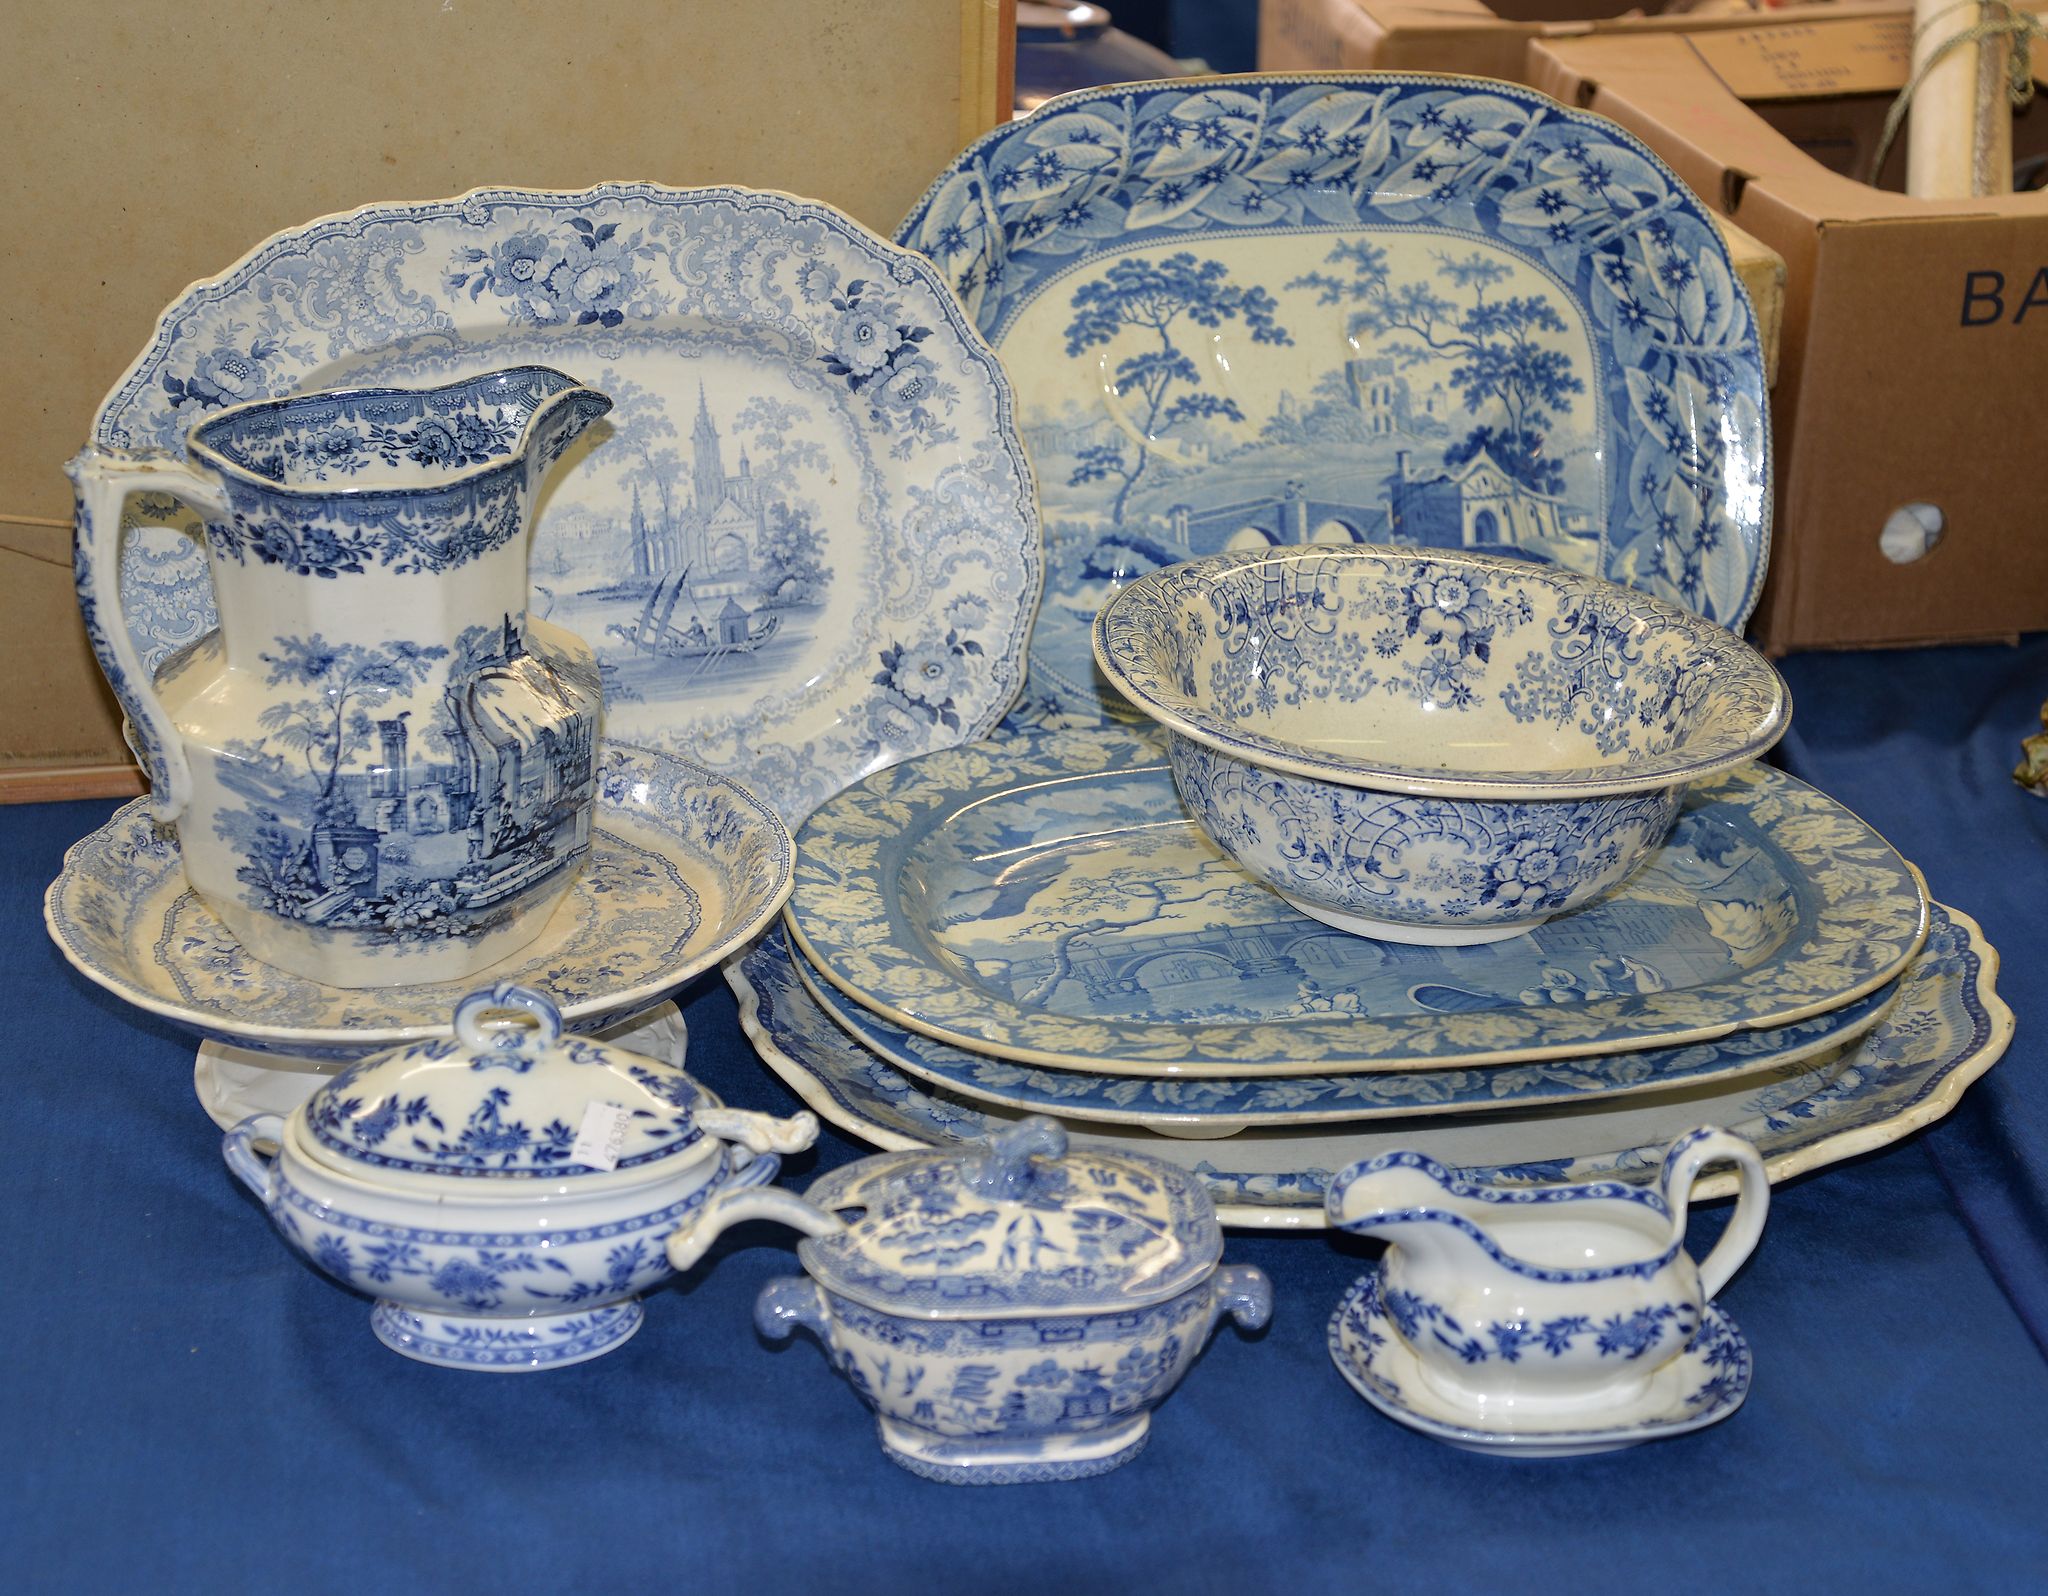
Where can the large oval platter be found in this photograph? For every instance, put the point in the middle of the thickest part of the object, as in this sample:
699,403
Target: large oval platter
1356,308
804,544
1948,1027
1207,1107
1046,899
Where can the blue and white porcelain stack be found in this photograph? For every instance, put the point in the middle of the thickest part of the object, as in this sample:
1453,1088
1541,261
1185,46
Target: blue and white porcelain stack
1343,767
1290,329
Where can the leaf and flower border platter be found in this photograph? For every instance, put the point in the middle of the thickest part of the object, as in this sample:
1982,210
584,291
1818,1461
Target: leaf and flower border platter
1019,898
805,542
685,866
1519,295
1215,1107
1948,1027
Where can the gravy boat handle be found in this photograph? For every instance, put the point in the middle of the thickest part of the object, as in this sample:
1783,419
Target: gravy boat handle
1683,1161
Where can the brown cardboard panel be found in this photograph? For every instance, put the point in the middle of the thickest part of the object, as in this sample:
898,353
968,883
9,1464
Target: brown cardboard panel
153,144
1909,327
1860,55
1470,36
58,708
1803,59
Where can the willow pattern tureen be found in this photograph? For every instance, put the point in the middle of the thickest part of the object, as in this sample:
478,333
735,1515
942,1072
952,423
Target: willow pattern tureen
1011,1313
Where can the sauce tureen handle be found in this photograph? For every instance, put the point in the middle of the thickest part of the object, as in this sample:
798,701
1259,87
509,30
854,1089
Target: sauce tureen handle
760,1133
730,1204
238,1147
788,1301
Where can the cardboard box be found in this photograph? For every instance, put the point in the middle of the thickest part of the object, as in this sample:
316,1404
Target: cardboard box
1915,332
1470,36
154,143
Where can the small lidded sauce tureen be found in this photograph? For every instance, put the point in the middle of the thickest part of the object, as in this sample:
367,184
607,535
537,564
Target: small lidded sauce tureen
1011,1312
506,1191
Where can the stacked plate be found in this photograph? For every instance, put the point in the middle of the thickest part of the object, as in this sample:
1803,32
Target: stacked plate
1034,926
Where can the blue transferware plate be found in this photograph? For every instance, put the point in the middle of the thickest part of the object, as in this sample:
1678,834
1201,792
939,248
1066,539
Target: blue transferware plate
1046,899
1701,1386
1214,1107
684,868
1948,1027
1356,308
804,544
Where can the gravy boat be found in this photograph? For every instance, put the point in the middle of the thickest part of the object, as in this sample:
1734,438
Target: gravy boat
1546,1300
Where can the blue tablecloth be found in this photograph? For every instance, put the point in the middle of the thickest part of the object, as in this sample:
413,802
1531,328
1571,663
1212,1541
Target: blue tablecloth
184,1406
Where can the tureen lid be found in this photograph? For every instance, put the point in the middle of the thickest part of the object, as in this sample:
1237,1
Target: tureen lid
1017,1225
506,1098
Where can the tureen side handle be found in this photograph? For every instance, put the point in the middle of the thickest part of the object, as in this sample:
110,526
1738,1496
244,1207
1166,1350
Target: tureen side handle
743,1198
1243,1292
790,1301
238,1147
760,1133
1683,1162
102,479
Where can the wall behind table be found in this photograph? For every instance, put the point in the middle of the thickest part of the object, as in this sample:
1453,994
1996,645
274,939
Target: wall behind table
154,143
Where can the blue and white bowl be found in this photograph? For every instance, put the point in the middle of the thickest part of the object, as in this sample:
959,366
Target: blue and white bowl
1432,747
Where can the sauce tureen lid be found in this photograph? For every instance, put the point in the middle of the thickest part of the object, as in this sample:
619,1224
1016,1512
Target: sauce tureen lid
1013,1227
505,1099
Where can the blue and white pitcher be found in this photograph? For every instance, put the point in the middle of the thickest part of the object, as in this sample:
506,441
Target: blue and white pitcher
382,769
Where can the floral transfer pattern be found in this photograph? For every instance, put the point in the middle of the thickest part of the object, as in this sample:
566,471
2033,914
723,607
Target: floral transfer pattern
505,1272
1421,861
811,457
1371,1322
1132,959
1947,1028
1631,689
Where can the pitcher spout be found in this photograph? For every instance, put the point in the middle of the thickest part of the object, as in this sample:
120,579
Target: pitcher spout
563,410
1403,1197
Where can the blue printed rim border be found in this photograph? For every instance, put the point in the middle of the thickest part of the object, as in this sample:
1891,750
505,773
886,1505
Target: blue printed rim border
1680,198
1724,1403
854,910
1947,1078
1833,1033
1119,651
1009,665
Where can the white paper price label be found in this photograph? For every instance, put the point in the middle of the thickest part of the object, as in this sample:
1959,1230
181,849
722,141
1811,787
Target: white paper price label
603,1136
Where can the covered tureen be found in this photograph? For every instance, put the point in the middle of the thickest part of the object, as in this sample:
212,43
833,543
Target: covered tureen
505,1191
1012,1312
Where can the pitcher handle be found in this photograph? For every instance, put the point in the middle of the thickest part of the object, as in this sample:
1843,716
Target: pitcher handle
102,480
1683,1161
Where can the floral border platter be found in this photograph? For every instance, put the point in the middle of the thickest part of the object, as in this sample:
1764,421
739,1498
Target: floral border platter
804,544
685,866
1045,899
1214,1107
1357,307
1947,1029
1706,1383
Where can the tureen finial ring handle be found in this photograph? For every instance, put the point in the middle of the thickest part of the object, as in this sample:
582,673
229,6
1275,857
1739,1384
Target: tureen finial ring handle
1005,1169
525,1041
